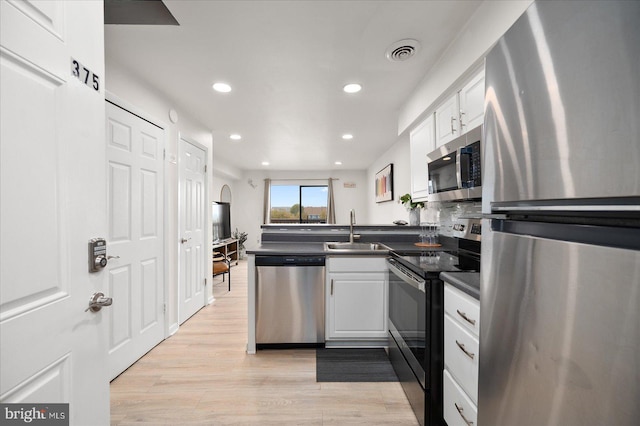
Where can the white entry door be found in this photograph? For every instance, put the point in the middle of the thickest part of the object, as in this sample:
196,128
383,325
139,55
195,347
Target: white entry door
52,203
192,228
135,213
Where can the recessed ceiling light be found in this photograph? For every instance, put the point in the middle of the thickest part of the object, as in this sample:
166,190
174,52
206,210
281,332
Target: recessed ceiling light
352,88
221,87
347,136
338,163
265,163
235,137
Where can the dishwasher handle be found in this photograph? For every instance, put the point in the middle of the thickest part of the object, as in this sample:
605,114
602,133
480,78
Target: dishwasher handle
298,261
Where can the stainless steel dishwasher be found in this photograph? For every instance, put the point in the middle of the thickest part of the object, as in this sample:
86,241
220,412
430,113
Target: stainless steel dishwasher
289,301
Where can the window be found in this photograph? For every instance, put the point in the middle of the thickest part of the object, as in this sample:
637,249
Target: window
298,203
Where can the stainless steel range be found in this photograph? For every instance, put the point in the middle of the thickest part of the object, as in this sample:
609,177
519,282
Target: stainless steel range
416,317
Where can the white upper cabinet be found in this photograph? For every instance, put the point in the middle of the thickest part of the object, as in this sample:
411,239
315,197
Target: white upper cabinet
421,142
447,121
472,103
462,111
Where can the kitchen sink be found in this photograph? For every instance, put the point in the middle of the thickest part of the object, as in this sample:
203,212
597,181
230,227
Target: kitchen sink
357,247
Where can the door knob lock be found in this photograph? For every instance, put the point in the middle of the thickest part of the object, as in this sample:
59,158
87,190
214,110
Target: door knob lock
184,240
97,301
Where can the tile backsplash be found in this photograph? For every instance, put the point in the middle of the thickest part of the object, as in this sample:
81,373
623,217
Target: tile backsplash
446,213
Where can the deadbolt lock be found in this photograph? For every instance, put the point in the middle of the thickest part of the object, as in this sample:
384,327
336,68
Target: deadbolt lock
97,254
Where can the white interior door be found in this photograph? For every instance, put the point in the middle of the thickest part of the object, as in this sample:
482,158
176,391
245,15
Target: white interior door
192,228
52,202
135,214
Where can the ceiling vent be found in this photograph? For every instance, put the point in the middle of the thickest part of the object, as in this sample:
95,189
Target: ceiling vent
402,50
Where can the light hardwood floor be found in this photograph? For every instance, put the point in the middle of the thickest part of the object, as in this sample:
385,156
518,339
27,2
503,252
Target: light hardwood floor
202,375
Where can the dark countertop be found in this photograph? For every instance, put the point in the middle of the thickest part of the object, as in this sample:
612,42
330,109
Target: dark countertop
289,248
468,282
411,248
317,249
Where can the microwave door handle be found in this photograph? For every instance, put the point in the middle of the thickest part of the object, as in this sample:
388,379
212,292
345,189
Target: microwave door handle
463,166
458,168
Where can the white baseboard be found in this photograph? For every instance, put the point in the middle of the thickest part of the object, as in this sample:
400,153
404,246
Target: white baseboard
173,328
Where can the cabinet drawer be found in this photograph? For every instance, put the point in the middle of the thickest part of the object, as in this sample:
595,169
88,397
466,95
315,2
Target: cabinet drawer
458,409
463,308
461,356
357,264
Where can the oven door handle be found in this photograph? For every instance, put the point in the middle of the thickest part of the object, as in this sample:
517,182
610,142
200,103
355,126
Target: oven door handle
412,280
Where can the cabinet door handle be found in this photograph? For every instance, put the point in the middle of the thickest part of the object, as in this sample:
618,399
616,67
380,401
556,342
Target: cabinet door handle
332,286
462,124
452,120
460,410
464,316
467,353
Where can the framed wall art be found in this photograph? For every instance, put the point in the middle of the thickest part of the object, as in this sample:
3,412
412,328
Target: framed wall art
384,184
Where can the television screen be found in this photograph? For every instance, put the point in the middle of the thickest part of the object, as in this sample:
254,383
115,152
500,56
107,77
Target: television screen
221,218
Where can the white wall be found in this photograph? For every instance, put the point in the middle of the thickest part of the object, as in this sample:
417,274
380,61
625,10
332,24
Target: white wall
247,202
125,86
387,212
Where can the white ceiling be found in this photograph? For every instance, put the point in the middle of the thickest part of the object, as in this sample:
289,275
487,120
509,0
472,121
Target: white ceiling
287,62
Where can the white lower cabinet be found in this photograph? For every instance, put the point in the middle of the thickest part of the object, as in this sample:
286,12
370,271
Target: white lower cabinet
461,357
356,293
458,409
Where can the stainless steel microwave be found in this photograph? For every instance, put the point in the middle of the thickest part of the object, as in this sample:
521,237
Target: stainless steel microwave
455,169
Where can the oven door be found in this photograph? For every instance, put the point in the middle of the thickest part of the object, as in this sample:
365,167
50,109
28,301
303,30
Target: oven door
408,301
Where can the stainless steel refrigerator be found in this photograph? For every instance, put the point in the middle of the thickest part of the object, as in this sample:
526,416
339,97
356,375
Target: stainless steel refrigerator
560,289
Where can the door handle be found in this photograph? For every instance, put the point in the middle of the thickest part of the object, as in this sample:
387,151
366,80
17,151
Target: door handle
462,124
184,240
97,301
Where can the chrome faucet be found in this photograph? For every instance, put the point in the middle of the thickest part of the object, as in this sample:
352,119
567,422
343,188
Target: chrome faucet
351,223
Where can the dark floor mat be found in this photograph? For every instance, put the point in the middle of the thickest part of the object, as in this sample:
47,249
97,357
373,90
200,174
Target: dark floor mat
353,365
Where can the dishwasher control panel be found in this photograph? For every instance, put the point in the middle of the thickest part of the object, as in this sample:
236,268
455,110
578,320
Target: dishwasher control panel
290,260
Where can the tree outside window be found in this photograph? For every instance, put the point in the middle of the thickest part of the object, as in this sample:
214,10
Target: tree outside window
299,203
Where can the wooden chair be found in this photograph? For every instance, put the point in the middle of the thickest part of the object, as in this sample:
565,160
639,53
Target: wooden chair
222,265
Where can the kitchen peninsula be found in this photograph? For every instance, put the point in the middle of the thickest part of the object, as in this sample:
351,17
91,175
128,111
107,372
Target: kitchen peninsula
369,294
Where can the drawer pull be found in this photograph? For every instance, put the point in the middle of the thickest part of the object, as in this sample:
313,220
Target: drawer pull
460,410
467,353
464,316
